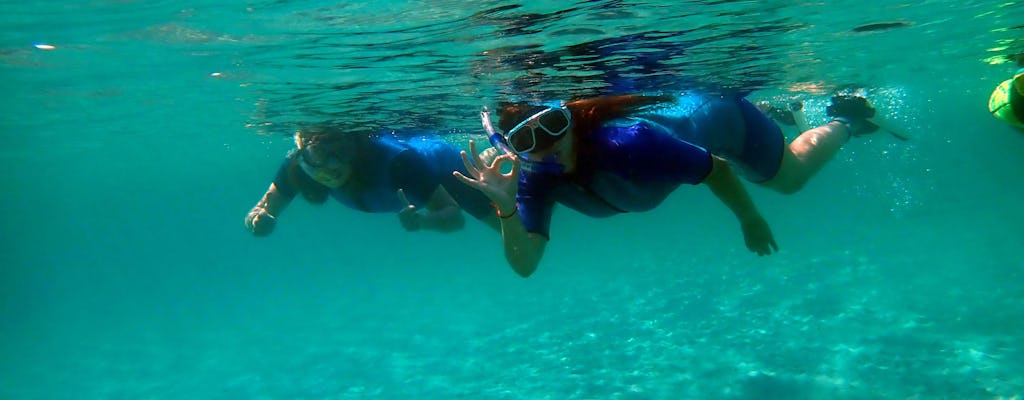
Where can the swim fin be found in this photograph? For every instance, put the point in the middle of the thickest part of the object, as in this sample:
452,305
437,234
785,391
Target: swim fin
858,113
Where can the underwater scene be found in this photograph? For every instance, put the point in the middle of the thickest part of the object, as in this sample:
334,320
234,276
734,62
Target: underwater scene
151,149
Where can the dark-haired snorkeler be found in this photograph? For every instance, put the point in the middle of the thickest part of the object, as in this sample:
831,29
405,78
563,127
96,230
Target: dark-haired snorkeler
610,155
375,173
1007,100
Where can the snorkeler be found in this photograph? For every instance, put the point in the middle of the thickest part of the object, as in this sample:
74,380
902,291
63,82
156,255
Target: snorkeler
376,174
1007,100
611,155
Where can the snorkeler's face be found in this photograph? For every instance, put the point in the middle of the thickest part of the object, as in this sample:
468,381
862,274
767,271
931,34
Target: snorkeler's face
560,152
332,177
322,162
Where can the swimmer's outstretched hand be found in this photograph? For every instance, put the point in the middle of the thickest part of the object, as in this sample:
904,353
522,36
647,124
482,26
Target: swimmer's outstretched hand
408,216
758,236
487,177
260,222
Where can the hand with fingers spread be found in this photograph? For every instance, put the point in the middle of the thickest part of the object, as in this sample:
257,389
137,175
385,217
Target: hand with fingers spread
408,216
489,179
523,249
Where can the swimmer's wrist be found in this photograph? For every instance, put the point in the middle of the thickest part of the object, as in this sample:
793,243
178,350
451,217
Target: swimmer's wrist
504,212
502,215
749,216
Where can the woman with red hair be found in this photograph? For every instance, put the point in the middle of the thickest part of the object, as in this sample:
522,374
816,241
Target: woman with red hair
618,154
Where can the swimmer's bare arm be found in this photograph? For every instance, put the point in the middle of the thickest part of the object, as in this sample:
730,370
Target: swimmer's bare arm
523,249
263,217
728,188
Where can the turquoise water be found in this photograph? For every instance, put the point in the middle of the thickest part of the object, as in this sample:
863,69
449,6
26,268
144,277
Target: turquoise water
135,146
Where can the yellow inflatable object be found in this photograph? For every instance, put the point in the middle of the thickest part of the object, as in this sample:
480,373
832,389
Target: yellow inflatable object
999,102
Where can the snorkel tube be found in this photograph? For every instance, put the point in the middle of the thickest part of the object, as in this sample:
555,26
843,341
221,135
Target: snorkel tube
498,141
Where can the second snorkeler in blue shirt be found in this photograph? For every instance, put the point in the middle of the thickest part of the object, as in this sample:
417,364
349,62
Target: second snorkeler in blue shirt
376,173
620,154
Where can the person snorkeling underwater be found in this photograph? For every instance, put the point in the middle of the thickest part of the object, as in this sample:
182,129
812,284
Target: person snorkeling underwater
406,174
610,155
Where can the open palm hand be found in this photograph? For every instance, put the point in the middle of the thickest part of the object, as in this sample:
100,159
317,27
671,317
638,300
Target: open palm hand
488,177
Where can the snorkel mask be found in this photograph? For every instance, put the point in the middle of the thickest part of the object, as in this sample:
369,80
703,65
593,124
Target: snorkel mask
318,174
549,165
322,170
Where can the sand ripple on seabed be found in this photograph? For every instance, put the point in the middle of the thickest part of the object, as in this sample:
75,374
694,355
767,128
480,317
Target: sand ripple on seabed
815,334
816,329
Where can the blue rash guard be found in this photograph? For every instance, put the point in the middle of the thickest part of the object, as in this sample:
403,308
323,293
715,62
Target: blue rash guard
417,165
632,164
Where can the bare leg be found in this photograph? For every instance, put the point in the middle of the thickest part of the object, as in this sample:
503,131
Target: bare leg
807,154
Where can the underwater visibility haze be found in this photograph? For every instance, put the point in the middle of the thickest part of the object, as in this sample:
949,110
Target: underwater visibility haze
138,134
